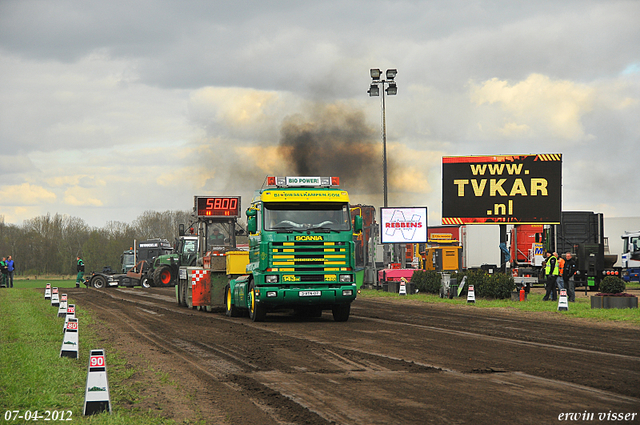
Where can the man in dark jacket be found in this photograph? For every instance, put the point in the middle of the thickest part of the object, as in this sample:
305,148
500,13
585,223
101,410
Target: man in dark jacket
569,270
11,267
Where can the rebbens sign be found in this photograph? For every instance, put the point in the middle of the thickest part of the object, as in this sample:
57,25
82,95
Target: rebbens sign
502,189
403,225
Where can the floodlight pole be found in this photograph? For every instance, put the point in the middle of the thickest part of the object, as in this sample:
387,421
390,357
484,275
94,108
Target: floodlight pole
374,91
384,149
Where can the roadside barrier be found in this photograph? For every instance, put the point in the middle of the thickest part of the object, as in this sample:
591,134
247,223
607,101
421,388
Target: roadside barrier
471,295
563,304
69,346
55,297
47,292
62,307
71,314
96,396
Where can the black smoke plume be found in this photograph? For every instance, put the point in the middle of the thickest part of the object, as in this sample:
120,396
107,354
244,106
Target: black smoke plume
334,140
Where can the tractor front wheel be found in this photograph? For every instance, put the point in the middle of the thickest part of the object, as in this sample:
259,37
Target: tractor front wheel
162,276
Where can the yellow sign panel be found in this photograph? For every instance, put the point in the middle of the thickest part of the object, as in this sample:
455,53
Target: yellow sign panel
297,195
310,238
290,278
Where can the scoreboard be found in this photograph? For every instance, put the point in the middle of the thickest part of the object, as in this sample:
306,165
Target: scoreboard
217,206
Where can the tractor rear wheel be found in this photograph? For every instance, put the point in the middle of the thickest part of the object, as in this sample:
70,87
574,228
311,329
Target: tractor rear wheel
182,292
162,276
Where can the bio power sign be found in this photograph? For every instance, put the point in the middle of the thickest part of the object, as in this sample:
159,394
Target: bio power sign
502,189
403,225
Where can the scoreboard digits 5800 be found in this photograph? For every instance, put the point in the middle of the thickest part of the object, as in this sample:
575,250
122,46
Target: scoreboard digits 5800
218,206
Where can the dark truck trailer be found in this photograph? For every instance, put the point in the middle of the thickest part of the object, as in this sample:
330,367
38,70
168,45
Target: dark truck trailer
582,234
137,274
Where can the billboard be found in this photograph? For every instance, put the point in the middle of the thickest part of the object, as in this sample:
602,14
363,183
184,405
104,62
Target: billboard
403,225
502,189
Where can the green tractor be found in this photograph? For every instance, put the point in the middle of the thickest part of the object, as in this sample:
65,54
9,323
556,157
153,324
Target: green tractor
165,267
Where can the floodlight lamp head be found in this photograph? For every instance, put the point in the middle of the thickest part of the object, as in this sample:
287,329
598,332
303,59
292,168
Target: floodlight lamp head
374,90
375,74
392,90
391,74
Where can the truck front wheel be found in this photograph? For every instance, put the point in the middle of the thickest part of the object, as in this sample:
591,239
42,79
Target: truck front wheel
146,282
162,276
231,309
341,312
98,282
257,311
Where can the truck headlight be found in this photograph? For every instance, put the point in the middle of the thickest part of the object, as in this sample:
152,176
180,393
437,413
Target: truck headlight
271,294
347,293
345,278
271,278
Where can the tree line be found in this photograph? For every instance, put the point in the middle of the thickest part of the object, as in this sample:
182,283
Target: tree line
49,245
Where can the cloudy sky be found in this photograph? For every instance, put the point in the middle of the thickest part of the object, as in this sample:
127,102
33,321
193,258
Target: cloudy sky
112,108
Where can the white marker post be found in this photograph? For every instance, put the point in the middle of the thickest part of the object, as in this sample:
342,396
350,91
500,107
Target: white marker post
62,307
55,297
471,295
96,396
563,304
403,286
71,314
47,292
69,346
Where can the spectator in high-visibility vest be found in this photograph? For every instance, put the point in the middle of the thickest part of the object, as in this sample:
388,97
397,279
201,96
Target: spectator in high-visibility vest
560,280
4,269
552,271
80,276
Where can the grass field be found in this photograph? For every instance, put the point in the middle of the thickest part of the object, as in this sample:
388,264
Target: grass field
41,283
33,376
581,308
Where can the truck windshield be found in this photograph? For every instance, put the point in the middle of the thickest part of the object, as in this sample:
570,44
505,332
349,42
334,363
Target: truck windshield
302,216
633,245
127,261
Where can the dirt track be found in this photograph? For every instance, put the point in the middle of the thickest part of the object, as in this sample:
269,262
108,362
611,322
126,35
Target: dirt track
391,363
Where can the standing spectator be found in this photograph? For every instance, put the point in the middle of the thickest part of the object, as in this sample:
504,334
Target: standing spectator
10,268
80,277
552,271
569,270
5,271
559,280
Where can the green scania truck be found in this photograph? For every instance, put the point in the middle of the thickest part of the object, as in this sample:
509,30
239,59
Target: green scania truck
301,251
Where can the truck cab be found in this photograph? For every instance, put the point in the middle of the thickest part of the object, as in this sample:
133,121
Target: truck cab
631,256
134,265
301,250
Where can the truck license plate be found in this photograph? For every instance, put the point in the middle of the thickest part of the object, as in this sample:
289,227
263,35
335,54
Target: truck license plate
310,293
